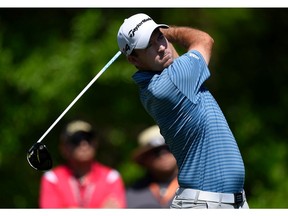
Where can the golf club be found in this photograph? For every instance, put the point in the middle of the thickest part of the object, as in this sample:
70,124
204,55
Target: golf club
38,156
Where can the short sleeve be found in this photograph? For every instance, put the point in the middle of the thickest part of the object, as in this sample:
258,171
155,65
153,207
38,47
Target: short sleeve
188,73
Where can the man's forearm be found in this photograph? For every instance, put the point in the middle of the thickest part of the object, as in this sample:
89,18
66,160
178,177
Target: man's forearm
190,38
185,36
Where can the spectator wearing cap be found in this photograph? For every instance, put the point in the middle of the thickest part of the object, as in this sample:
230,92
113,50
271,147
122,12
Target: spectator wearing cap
159,184
82,182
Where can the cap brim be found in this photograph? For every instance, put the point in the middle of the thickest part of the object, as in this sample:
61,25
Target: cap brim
145,38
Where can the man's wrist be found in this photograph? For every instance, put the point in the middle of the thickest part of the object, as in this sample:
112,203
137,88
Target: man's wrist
170,33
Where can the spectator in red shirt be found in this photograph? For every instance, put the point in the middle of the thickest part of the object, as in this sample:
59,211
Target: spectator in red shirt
81,182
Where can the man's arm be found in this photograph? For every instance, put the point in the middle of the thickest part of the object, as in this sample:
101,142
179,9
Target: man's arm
190,38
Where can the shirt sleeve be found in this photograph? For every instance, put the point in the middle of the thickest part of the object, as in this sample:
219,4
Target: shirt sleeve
188,73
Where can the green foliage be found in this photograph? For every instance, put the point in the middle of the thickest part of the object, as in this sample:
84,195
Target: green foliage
47,56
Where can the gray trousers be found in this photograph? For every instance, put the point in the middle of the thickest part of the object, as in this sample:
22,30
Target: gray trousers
189,198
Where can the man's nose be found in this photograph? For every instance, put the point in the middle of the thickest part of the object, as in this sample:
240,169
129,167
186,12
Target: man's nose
161,48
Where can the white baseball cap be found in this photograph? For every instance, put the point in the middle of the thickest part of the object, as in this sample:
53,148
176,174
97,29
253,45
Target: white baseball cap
75,127
78,125
135,33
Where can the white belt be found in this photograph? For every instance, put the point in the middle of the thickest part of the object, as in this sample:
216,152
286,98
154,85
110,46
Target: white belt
187,193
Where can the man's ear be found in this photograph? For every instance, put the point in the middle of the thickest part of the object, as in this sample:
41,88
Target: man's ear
134,60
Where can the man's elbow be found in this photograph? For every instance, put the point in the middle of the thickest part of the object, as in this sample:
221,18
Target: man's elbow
208,46
209,42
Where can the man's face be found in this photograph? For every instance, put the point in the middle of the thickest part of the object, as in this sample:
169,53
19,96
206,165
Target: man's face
80,148
157,56
159,160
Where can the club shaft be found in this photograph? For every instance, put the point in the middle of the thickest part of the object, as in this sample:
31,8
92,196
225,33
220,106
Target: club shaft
80,94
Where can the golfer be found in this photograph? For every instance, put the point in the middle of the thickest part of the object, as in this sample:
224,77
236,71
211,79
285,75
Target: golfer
211,170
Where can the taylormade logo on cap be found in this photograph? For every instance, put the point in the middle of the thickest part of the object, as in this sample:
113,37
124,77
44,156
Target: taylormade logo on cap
135,33
131,33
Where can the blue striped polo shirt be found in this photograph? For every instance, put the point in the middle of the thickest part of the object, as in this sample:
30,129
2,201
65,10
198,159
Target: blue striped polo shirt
193,125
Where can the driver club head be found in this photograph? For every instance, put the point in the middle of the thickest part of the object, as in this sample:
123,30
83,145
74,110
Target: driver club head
39,158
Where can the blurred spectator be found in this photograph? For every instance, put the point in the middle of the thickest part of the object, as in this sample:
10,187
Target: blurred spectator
157,188
81,182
